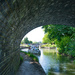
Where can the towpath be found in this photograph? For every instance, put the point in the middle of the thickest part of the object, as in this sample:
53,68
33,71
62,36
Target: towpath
30,67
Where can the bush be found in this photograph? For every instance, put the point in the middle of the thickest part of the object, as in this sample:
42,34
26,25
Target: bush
63,44
71,48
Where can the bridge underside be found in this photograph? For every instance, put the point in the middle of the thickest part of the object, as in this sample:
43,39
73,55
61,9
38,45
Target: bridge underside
18,17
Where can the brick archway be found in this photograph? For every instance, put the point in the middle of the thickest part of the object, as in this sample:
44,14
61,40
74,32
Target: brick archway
17,17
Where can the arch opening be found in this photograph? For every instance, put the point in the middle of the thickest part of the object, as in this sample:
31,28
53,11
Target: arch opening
46,53
18,17
61,31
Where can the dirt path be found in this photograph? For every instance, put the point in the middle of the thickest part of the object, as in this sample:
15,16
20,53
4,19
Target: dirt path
30,67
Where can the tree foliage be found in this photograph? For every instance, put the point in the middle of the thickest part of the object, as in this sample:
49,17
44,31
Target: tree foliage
46,39
63,36
26,41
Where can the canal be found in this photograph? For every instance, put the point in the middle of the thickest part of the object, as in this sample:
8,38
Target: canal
54,64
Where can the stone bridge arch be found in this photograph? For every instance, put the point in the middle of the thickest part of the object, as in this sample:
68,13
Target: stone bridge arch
17,17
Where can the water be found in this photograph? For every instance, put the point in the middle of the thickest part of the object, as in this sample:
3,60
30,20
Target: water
54,64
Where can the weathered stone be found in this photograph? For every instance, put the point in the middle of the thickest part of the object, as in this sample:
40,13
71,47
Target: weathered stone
18,17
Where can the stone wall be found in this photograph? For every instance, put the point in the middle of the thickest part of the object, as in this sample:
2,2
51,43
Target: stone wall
18,17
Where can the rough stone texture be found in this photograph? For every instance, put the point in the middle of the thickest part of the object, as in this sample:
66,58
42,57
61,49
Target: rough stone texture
18,17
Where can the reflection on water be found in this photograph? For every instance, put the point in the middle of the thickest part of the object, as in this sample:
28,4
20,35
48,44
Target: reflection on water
53,64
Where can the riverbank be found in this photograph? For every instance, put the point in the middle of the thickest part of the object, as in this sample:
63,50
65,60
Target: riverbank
48,47
30,67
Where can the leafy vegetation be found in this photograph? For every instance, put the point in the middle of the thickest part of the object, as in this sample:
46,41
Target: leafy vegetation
46,39
63,36
21,59
31,55
26,41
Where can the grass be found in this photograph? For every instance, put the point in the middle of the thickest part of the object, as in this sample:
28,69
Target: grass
31,55
21,59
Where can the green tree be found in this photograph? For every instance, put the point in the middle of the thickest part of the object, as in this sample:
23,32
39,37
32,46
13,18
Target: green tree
58,31
63,36
46,39
30,42
26,41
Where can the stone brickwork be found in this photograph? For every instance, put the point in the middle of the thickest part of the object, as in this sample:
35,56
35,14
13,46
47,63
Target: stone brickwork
18,17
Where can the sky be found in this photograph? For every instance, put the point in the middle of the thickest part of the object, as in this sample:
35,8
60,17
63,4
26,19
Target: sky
35,35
